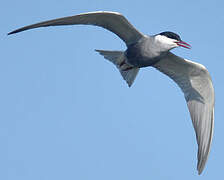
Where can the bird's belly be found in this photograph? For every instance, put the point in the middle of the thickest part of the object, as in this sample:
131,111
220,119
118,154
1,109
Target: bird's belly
138,58
142,61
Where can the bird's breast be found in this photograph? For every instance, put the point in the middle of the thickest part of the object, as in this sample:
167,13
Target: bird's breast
141,54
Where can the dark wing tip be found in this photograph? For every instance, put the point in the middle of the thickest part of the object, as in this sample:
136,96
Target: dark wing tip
16,31
200,169
11,33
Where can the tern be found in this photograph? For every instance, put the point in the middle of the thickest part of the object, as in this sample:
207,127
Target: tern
144,50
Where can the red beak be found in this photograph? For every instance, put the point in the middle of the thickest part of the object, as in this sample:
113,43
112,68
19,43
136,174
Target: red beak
183,44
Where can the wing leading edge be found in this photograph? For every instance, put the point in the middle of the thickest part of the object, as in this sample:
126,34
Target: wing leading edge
196,84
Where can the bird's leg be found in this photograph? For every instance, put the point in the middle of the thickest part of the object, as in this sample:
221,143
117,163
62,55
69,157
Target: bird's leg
122,63
124,66
127,69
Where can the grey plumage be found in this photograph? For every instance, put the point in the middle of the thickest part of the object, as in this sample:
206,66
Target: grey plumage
193,78
117,57
195,82
113,22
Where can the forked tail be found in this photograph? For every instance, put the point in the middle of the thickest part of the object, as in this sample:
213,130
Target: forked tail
117,58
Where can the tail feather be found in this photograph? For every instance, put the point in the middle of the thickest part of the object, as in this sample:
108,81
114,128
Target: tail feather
117,58
130,75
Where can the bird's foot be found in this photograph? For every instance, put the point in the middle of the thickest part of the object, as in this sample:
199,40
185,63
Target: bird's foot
124,66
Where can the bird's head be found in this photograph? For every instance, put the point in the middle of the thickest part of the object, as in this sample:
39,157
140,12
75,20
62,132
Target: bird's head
169,40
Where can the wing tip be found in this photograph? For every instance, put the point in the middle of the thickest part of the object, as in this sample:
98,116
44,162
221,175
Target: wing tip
12,32
201,165
16,31
200,170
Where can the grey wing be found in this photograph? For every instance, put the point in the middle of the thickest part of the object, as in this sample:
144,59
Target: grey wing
196,84
112,21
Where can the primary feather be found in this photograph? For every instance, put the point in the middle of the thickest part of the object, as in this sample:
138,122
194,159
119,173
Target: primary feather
195,82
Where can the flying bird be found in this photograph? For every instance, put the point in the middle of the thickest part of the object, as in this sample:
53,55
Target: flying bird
144,50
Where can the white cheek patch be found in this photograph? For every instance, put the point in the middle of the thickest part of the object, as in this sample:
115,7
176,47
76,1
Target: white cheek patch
165,40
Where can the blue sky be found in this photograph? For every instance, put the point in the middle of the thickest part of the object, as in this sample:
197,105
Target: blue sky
66,112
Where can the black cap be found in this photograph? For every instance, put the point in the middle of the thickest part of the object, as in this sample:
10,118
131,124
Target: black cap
171,35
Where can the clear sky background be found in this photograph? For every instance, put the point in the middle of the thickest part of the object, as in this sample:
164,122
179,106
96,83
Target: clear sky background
66,112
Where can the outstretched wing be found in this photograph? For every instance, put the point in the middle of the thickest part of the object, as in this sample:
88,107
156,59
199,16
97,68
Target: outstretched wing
112,21
196,84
